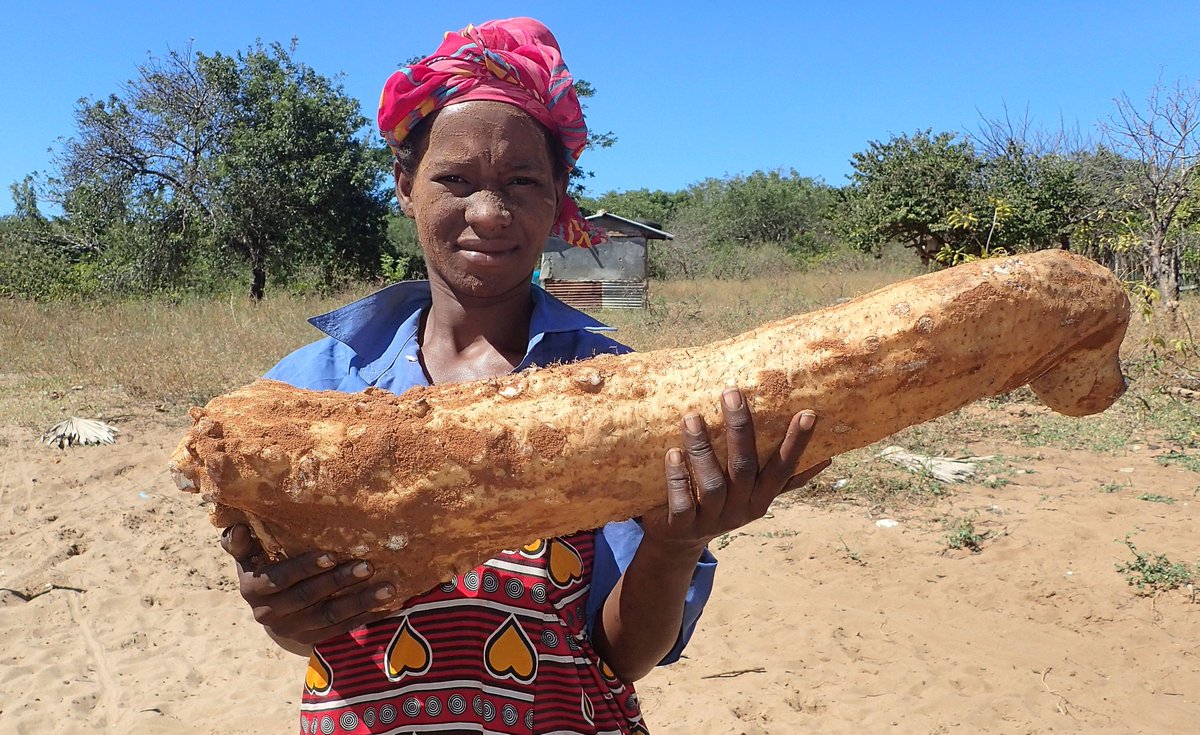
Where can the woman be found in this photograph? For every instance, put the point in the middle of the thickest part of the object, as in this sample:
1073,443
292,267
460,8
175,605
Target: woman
549,637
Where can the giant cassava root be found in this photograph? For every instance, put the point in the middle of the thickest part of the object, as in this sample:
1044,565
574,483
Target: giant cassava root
435,481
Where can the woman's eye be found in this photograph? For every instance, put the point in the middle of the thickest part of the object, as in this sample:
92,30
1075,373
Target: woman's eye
450,179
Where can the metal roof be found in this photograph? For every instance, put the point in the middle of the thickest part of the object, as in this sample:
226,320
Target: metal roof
650,231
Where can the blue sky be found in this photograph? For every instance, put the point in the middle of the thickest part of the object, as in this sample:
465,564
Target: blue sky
692,90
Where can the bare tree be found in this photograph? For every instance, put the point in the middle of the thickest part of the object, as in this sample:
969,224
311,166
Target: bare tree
155,134
994,136
1163,141
1038,175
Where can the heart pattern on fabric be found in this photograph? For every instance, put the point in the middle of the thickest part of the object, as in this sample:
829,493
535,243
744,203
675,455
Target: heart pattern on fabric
566,566
408,653
318,679
509,654
534,549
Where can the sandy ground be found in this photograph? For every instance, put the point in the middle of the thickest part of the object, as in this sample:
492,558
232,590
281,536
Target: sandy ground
822,621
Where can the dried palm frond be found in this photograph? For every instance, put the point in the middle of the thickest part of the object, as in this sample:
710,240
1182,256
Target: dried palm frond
79,431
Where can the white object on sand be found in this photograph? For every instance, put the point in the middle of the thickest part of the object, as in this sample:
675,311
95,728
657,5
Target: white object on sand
941,468
79,431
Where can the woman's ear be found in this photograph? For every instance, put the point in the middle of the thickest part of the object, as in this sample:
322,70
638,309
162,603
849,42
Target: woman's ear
403,189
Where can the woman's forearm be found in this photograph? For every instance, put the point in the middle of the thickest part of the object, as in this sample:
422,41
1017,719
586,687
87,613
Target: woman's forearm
643,615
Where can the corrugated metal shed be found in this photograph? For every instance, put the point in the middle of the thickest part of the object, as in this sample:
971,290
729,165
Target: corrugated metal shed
611,275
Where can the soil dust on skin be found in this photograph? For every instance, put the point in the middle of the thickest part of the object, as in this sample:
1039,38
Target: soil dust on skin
121,614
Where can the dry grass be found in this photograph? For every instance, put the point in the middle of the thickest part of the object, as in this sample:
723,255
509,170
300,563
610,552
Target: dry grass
123,359
684,313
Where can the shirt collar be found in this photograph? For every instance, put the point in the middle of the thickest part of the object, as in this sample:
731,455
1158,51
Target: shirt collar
363,324
369,326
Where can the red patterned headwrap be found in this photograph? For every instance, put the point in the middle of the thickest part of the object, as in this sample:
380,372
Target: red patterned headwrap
516,61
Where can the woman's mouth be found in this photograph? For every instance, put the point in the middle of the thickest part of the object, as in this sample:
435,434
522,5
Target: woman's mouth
486,252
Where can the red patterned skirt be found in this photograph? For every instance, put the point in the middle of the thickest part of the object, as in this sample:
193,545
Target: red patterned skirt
501,649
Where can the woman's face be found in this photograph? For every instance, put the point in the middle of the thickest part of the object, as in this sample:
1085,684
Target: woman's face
484,197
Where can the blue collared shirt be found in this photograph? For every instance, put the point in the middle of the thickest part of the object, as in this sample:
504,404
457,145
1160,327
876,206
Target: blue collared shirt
374,342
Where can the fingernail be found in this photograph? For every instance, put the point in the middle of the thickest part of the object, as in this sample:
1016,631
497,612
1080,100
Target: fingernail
807,419
732,398
362,570
384,593
694,423
325,561
674,456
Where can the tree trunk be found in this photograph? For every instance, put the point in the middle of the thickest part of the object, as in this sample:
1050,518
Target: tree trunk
1164,267
1153,264
1170,271
928,245
258,270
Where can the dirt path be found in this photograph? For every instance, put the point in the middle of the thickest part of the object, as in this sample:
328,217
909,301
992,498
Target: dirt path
823,620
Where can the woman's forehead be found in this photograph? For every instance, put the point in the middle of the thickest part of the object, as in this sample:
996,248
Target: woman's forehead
494,130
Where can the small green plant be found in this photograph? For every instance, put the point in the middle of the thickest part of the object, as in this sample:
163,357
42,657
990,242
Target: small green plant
1152,573
1156,498
783,533
1144,296
962,535
853,555
1184,434
917,484
869,480
1186,461
1112,487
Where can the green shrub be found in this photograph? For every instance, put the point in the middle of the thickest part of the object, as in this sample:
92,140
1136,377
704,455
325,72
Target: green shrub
29,270
1153,573
962,535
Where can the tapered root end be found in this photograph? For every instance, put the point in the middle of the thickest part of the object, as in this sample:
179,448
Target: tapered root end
182,466
1085,382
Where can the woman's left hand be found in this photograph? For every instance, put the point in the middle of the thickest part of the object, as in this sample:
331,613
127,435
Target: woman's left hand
705,500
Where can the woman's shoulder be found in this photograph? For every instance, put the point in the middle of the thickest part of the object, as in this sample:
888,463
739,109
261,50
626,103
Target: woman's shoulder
319,365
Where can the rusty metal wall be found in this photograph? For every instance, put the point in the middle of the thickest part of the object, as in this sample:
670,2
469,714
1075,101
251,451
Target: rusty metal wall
592,295
619,259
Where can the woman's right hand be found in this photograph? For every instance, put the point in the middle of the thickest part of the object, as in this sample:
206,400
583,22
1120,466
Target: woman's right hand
308,598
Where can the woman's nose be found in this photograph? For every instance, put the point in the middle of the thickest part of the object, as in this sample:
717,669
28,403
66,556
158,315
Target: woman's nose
486,209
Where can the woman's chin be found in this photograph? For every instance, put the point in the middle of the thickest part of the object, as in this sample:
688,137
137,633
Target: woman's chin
482,284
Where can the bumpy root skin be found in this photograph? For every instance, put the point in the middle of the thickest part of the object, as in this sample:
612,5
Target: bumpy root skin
463,471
